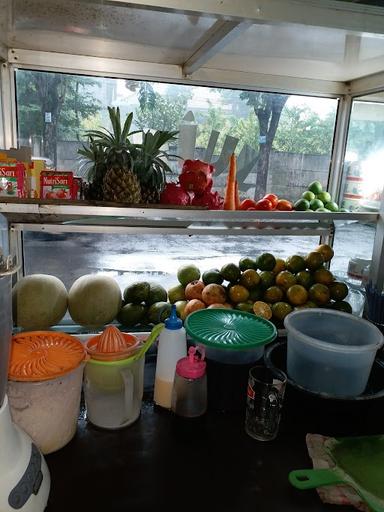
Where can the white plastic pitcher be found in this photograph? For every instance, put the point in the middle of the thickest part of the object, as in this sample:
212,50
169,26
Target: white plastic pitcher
113,391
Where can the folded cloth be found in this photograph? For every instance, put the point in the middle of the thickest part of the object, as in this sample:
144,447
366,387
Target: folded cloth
334,494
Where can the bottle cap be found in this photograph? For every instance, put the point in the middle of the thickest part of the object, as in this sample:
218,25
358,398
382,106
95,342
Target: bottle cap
193,366
173,322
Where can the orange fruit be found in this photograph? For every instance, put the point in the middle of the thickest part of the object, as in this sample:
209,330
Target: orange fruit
267,278
273,294
297,295
279,267
326,250
338,290
266,261
238,293
323,276
295,263
250,278
263,309
256,294
314,260
304,278
285,279
280,310
319,293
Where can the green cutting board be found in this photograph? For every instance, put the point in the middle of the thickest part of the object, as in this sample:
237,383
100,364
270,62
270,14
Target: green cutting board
359,462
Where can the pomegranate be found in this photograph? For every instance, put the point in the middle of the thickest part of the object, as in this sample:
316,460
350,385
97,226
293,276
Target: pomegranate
175,194
196,176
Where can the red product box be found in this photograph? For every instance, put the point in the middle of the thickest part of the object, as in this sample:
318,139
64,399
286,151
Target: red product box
12,179
56,184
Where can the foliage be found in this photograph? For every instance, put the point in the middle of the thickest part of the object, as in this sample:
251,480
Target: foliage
164,114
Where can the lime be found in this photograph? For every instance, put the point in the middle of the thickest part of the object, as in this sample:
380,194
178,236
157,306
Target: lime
332,206
212,276
136,292
323,276
250,278
301,205
295,263
157,293
308,195
322,209
180,307
314,260
315,204
266,261
267,278
256,294
188,273
247,263
297,295
238,293
338,290
273,294
319,293
176,293
131,314
326,250
245,306
279,267
280,310
262,309
305,279
324,197
342,305
230,272
285,279
315,187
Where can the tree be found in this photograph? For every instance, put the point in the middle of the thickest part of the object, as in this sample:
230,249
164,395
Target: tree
53,105
267,108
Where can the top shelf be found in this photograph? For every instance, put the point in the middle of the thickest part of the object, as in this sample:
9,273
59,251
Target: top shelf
82,216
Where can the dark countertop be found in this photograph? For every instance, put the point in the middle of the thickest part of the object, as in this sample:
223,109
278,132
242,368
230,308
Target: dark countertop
163,461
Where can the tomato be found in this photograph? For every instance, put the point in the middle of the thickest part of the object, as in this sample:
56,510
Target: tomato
284,205
264,204
247,203
273,198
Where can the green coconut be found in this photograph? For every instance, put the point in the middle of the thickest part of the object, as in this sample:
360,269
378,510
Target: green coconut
38,301
94,300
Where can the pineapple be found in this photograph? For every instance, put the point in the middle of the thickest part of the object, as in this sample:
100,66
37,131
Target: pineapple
93,167
149,165
119,181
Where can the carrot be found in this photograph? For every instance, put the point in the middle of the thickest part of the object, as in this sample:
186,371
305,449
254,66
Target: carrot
230,188
237,197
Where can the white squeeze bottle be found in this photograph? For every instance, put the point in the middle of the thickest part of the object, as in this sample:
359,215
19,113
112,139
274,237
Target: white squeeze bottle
172,346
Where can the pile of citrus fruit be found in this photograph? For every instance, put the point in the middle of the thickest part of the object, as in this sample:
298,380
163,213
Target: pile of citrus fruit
316,199
266,286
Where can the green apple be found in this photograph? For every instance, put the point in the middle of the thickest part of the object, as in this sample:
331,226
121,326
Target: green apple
324,196
308,195
315,204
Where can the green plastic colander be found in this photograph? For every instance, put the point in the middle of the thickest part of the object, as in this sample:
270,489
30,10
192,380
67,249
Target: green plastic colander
229,330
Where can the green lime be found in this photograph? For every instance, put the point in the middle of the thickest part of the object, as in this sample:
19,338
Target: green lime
308,195
295,263
322,209
314,260
315,187
188,273
319,293
136,292
266,261
338,290
280,310
267,278
158,312
245,306
176,293
212,276
250,278
131,314
273,294
305,279
301,205
256,294
315,204
247,263
342,305
230,272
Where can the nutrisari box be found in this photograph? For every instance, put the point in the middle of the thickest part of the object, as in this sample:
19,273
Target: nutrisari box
56,184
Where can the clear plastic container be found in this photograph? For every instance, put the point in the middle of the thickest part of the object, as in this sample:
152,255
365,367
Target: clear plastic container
330,352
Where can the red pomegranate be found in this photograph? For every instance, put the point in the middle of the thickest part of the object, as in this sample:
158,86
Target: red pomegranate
175,194
196,176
